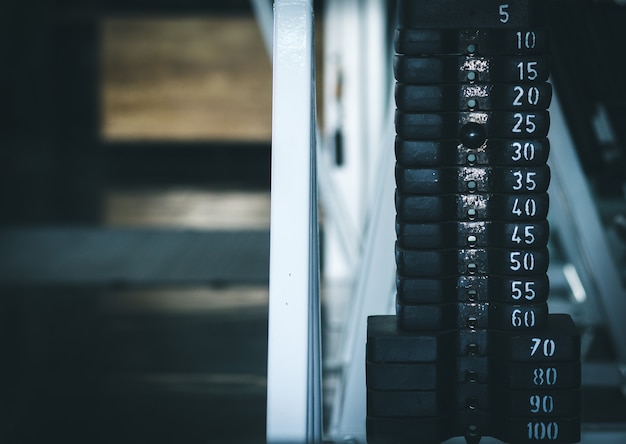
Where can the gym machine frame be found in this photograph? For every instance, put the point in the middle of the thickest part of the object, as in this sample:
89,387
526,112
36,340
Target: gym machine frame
359,238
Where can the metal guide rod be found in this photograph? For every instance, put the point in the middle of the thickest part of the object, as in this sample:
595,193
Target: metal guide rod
294,355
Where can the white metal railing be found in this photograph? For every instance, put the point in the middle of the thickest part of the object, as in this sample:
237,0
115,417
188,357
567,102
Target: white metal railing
294,413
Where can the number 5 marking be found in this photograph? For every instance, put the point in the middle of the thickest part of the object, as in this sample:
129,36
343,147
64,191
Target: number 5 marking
504,14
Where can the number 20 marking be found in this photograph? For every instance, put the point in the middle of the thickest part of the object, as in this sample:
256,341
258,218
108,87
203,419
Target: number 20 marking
532,96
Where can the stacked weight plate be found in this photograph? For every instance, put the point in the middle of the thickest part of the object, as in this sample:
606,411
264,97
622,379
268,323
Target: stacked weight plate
472,349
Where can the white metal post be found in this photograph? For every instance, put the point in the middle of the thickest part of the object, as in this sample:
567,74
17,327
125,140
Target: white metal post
374,293
294,355
344,92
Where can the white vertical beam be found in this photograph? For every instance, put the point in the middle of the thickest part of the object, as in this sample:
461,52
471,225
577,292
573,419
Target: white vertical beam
377,70
293,376
355,46
374,294
344,91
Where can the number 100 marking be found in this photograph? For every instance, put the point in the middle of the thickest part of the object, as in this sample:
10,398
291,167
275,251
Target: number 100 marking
542,430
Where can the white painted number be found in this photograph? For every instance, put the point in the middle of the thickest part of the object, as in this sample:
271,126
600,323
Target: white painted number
541,430
520,183
525,320
524,125
541,404
549,347
529,237
528,70
504,14
526,291
519,261
526,40
530,208
547,376
526,152
531,96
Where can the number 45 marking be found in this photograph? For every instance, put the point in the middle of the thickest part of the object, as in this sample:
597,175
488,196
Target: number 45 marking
504,14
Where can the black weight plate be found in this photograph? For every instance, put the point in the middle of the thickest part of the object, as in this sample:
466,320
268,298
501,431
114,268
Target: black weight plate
518,316
473,396
551,403
471,97
526,375
473,315
472,424
425,430
403,403
437,153
453,69
412,236
470,207
452,14
473,368
426,317
426,291
442,316
472,343
442,289
558,341
536,430
498,125
483,288
411,376
431,263
385,343
478,179
471,41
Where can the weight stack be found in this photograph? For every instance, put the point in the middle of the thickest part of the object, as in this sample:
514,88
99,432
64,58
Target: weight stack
472,350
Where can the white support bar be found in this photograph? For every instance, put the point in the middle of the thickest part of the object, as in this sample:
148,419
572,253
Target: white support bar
374,295
294,355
